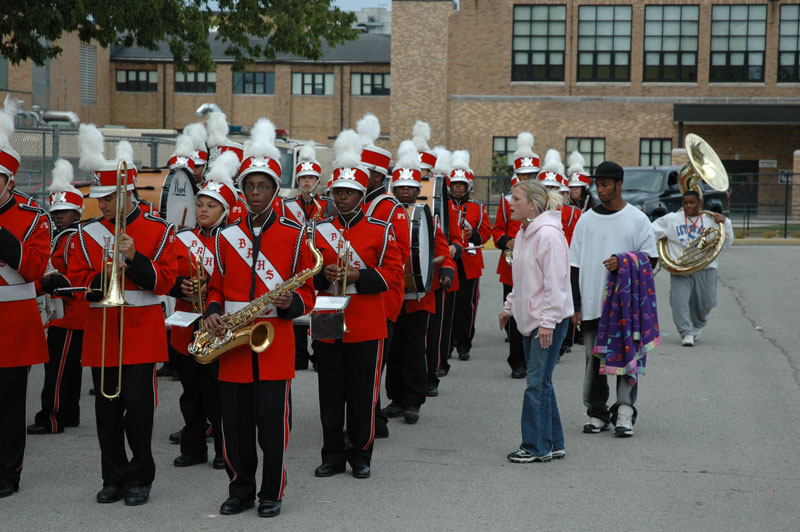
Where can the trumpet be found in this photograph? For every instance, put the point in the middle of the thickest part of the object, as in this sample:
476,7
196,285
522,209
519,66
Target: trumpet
339,288
197,278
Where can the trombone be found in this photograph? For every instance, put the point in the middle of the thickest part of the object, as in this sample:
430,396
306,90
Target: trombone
113,282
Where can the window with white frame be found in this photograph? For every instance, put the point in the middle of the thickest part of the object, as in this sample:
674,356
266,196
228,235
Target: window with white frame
312,83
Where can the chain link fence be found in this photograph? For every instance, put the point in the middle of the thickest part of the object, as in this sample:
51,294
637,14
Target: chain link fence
40,147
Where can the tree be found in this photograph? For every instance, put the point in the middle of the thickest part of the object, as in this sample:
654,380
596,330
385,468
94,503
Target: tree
251,29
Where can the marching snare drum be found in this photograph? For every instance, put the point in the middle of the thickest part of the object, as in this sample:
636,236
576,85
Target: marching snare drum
418,270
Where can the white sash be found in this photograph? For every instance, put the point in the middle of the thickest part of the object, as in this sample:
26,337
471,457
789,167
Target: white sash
265,271
332,236
98,232
196,248
296,210
10,275
17,292
136,298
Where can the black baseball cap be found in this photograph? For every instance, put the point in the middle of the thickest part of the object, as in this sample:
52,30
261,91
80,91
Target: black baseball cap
609,170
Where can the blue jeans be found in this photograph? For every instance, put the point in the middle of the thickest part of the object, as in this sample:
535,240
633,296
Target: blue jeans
541,423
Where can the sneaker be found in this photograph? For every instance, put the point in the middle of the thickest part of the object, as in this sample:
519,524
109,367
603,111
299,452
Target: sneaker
519,373
463,355
521,456
559,454
688,340
596,425
624,426
393,410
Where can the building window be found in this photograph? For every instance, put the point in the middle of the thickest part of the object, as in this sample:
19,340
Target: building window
604,43
254,82
137,81
670,43
363,84
789,44
199,82
503,149
655,152
592,149
312,83
738,37
88,74
538,43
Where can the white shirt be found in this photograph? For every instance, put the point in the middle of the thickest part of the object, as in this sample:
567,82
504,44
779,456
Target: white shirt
679,230
596,238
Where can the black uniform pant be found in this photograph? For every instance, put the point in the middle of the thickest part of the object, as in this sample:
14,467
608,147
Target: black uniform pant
446,346
433,345
349,385
128,416
61,392
265,406
516,355
465,311
199,402
301,355
13,387
380,420
406,367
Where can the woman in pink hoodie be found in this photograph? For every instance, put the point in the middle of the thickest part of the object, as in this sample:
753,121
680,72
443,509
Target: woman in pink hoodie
541,303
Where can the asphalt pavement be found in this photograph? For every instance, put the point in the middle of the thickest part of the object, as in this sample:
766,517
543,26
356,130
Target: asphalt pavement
715,449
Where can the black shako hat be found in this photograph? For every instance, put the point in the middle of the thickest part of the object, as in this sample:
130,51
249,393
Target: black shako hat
609,170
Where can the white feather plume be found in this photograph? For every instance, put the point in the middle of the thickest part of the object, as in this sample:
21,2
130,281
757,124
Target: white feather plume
443,158
460,160
7,119
407,156
184,147
62,177
421,133
348,149
552,162
124,152
224,168
369,129
90,144
262,140
197,132
524,145
575,162
307,153
217,127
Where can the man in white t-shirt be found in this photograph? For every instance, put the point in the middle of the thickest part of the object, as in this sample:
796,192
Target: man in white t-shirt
691,296
601,233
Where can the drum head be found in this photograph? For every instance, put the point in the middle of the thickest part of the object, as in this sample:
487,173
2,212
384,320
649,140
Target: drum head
177,199
426,241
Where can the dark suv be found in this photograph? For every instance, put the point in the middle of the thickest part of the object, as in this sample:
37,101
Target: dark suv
654,189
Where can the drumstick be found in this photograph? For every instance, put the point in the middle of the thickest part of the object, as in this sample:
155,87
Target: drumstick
183,218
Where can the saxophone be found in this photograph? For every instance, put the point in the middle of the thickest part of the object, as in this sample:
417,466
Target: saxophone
206,347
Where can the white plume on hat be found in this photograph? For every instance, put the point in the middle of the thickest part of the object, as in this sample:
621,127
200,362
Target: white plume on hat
443,157
552,162
62,178
460,160
348,149
90,143
575,162
407,156
307,153
224,168
217,127
262,141
184,147
422,134
197,132
369,129
124,152
7,119
524,145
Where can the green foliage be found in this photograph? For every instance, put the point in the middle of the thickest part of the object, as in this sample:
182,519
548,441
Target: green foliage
250,29
500,166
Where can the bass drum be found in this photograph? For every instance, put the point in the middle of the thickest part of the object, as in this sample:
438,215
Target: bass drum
434,195
418,270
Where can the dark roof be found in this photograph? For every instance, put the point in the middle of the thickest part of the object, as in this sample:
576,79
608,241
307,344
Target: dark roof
367,48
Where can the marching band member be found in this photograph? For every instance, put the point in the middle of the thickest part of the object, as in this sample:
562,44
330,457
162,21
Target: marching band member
526,165
254,256
579,182
62,373
475,230
552,177
148,248
406,371
350,368
197,132
24,254
200,398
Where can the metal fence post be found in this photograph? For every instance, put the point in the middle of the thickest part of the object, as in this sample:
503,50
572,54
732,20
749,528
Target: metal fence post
786,209
44,160
56,141
153,153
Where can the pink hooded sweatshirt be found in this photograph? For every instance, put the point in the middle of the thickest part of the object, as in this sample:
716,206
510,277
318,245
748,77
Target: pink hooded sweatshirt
542,295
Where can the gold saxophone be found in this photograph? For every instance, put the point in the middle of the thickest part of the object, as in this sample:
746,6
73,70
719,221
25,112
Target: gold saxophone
206,347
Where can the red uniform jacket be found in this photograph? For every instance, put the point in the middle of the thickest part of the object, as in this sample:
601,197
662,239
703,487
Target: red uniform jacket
504,229
475,214
242,275
147,207
24,253
569,218
374,253
446,267
296,208
75,309
190,241
151,273
378,204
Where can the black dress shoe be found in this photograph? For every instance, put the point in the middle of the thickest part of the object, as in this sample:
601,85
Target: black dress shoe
175,437
269,508
72,423
519,373
8,487
137,495
381,430
393,410
463,355
38,429
328,470
235,505
442,372
411,414
185,460
361,471
219,463
110,493
432,390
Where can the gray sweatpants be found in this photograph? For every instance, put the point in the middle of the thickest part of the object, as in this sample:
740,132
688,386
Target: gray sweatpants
692,297
595,386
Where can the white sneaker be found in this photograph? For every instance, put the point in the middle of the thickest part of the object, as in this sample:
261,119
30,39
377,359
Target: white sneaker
688,340
595,425
624,421
558,454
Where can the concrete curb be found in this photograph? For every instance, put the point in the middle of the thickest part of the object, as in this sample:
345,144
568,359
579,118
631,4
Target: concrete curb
766,242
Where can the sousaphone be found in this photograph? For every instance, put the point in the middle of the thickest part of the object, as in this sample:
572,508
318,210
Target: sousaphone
703,165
